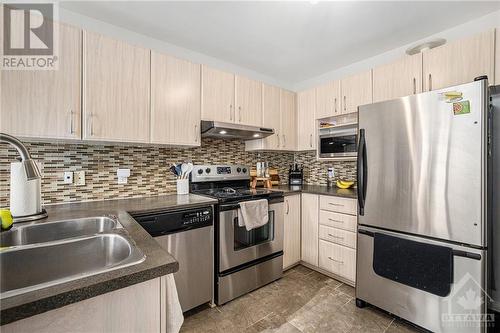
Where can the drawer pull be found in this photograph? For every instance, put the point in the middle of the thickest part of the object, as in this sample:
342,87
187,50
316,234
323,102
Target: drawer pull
340,262
337,221
338,237
335,204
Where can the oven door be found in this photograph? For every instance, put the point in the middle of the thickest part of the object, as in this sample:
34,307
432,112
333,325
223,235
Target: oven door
239,246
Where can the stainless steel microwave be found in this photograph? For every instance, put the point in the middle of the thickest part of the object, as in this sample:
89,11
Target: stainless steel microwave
339,142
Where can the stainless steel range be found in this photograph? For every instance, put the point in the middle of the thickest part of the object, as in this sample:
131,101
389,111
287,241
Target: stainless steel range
244,260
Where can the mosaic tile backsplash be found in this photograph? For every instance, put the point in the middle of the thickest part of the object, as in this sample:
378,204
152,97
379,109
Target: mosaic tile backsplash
316,172
149,167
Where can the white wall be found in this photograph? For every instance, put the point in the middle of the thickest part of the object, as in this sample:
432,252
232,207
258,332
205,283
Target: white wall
484,23
113,31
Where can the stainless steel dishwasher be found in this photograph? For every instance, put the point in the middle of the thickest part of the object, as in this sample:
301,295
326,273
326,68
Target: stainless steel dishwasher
189,236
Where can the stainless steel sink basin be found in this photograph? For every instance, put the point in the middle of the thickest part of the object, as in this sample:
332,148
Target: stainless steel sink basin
51,231
32,267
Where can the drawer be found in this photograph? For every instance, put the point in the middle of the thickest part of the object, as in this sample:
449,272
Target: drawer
339,236
337,259
339,205
336,220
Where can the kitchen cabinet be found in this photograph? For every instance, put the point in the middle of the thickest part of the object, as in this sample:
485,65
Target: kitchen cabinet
398,79
175,101
45,103
110,312
291,242
309,228
338,259
217,95
459,62
116,93
328,100
272,116
306,120
288,120
248,101
356,90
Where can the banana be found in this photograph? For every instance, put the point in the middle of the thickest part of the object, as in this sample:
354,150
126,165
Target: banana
344,184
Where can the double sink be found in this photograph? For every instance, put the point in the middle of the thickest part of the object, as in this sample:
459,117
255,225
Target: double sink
39,255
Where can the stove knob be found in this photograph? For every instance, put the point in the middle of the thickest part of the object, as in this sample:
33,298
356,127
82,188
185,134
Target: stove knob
244,170
238,169
200,171
207,170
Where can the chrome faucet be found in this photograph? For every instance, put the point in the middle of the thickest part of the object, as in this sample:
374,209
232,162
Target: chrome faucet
29,164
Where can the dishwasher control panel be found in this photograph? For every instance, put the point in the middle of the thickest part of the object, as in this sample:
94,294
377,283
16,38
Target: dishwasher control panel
164,223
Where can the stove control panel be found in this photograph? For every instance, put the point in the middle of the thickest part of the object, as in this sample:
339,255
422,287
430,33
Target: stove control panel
205,173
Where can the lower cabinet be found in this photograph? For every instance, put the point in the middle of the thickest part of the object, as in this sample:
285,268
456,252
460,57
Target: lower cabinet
338,259
137,308
291,242
309,228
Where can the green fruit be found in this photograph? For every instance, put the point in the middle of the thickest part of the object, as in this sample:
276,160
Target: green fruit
6,218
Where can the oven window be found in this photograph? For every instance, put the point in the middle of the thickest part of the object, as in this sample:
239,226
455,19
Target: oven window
338,144
244,239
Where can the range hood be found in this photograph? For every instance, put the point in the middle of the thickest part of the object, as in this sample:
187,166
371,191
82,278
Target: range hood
221,130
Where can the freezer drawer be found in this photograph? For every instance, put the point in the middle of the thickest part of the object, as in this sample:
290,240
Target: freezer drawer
423,308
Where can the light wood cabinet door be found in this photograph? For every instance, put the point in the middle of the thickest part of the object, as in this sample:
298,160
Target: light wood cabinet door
306,120
398,79
248,101
272,116
291,241
288,120
45,103
217,95
175,101
459,62
116,90
356,91
328,100
338,259
309,228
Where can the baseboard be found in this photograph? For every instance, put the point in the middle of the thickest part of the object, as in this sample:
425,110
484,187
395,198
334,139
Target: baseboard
329,274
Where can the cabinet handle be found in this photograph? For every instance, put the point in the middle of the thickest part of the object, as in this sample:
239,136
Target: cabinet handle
310,140
335,104
336,221
335,204
195,133
91,124
239,108
338,237
284,140
345,102
430,81
71,131
414,86
340,262
231,112
279,140
287,207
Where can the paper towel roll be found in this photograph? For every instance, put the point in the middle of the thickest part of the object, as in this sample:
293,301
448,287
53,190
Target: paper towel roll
25,196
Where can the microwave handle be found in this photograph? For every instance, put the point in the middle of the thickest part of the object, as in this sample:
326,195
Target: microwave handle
362,172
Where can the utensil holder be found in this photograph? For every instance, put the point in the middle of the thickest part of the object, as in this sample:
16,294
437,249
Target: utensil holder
182,186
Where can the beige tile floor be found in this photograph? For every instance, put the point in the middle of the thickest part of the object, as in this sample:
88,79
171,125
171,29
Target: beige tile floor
302,301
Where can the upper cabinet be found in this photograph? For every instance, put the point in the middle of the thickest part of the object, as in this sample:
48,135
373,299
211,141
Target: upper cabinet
248,101
175,101
116,90
459,62
328,100
45,103
272,116
356,91
217,95
288,120
398,79
306,120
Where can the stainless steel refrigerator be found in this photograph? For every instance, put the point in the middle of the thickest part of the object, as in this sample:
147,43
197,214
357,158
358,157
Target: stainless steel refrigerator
423,207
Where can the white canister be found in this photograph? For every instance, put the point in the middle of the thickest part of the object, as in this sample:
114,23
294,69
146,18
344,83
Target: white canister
25,195
182,186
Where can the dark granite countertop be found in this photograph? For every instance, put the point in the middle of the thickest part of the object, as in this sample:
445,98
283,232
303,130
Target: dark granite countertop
317,189
158,262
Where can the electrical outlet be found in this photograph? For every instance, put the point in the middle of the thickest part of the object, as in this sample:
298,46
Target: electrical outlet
79,178
68,177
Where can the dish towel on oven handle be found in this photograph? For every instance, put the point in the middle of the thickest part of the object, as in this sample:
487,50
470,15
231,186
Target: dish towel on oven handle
174,315
253,214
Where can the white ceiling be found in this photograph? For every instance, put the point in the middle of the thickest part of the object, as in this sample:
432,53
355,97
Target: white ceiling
289,41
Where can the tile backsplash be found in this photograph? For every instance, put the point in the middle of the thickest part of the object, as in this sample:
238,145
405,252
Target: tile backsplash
148,164
315,172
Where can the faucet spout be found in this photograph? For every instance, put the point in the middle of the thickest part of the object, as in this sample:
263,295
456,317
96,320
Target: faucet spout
29,164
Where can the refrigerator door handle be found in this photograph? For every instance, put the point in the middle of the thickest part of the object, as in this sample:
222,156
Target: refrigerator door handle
362,172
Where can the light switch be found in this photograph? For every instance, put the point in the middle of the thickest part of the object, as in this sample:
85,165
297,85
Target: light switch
68,177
